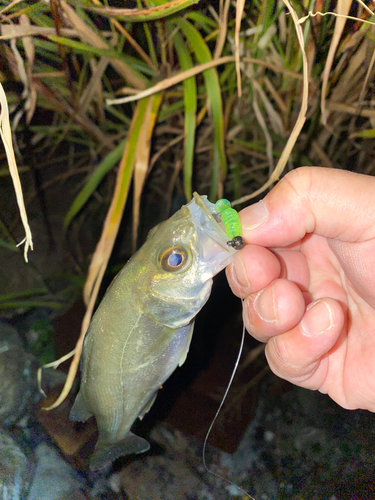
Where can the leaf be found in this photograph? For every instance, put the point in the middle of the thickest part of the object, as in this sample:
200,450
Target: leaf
31,292
343,7
136,15
96,177
142,157
92,38
6,137
27,304
104,247
83,48
300,119
180,77
203,55
190,103
201,21
113,219
363,134
239,11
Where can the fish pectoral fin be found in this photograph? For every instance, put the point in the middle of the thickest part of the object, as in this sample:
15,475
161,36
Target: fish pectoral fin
79,411
147,406
106,453
187,344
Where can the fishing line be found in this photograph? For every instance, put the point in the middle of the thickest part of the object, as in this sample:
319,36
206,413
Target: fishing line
217,414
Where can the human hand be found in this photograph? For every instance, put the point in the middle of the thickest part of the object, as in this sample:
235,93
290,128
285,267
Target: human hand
307,276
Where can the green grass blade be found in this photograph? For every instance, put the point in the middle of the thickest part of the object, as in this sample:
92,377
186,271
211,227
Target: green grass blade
364,134
150,45
169,110
82,48
31,292
159,10
6,239
8,246
203,55
142,157
35,9
136,65
113,218
201,21
190,102
104,167
27,304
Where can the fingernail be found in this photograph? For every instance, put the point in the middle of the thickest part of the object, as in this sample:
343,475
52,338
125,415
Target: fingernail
256,215
265,305
317,320
240,274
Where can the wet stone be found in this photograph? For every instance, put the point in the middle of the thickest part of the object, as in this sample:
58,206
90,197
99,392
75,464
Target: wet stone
172,470
18,370
54,478
13,468
302,445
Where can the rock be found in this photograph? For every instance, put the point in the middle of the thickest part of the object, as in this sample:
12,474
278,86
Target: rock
8,335
54,478
174,470
13,468
18,370
301,444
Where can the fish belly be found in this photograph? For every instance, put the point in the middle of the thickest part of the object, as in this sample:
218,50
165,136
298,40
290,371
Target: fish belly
126,360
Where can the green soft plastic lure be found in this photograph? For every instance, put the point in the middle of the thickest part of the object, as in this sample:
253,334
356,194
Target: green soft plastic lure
231,220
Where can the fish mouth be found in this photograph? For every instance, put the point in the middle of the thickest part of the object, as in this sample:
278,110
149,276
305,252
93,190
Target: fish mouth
214,251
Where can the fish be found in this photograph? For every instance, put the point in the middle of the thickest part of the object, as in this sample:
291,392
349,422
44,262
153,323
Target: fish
142,329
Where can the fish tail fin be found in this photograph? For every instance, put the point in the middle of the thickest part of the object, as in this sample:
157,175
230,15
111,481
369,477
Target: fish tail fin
105,453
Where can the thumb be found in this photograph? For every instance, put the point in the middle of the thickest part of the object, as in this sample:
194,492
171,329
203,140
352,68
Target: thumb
332,203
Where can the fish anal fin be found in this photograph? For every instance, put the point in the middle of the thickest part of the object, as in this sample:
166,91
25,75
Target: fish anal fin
187,344
79,411
147,406
105,453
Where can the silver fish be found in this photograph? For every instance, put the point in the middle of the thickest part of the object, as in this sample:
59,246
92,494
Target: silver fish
143,327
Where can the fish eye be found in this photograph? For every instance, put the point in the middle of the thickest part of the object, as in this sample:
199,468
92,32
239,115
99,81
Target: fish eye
174,259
